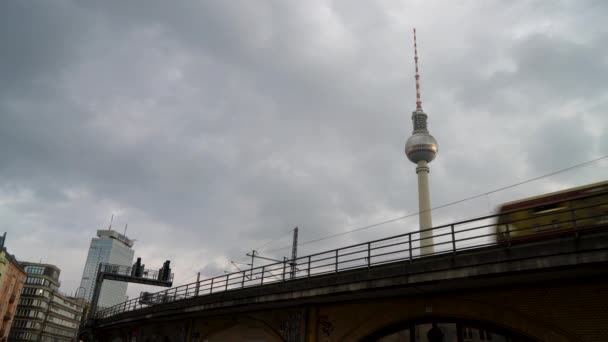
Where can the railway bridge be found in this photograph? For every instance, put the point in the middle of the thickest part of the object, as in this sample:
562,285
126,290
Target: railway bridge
475,287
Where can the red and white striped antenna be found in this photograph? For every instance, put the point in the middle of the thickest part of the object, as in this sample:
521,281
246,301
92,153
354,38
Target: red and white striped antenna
418,100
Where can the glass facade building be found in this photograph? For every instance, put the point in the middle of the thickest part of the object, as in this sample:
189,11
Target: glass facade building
108,247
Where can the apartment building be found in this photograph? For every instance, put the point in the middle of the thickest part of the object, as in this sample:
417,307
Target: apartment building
12,278
44,314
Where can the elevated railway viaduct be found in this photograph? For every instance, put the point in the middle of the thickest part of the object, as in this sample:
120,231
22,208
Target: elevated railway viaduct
545,290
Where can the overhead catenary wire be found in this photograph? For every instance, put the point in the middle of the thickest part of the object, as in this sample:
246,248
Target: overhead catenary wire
289,232
241,260
447,204
416,213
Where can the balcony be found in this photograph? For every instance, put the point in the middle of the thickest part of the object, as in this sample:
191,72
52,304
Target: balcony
7,316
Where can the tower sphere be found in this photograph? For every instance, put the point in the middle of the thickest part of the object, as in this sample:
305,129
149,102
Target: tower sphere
421,146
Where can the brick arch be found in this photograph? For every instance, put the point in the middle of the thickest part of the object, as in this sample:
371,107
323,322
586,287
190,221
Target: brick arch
243,327
487,315
172,331
122,337
482,325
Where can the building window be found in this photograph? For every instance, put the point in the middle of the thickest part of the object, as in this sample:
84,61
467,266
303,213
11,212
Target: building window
25,301
26,324
37,281
34,269
22,335
30,291
30,313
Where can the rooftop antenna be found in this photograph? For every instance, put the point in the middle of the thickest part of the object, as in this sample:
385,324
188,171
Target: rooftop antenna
125,233
418,99
111,220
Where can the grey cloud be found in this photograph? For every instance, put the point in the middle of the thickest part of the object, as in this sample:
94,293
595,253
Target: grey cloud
213,127
544,68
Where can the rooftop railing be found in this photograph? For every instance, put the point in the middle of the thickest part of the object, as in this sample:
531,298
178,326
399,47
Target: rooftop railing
500,230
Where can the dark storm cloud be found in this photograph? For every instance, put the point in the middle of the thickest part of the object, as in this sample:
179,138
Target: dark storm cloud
37,42
213,127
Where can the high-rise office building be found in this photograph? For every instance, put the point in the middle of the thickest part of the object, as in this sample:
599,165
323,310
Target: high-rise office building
108,247
43,313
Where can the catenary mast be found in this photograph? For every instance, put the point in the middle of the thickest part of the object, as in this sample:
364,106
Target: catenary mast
421,148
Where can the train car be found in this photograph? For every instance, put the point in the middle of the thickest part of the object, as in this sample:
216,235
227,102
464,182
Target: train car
584,207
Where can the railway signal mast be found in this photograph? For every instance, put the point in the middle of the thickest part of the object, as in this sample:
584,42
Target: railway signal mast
421,148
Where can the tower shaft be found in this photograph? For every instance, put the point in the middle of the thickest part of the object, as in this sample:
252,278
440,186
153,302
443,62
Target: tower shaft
424,209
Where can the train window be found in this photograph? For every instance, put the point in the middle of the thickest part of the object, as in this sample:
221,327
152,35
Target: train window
544,209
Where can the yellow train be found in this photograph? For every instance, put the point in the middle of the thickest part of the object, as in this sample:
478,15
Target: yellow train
584,207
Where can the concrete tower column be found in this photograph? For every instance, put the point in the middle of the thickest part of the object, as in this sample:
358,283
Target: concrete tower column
424,208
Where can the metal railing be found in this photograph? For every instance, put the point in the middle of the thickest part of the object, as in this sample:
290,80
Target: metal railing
499,230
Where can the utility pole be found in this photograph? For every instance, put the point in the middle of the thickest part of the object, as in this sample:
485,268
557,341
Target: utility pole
198,282
292,262
253,252
294,253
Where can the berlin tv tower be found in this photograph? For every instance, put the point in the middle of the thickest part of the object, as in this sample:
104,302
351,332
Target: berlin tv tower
421,148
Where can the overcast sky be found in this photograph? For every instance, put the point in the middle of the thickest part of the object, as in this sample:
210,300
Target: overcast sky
213,127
